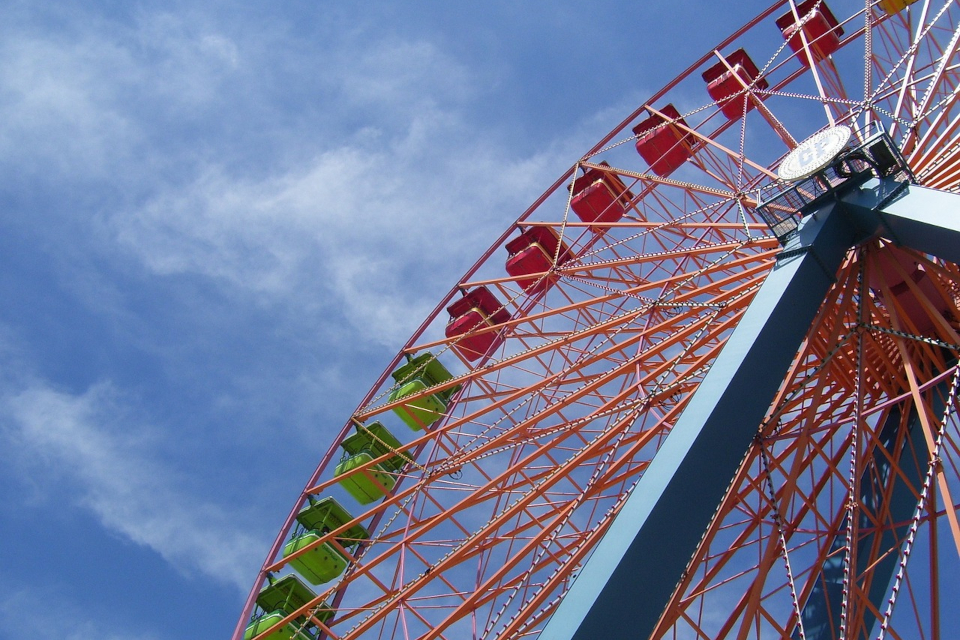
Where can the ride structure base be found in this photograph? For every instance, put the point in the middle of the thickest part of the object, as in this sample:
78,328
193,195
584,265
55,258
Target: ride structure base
643,555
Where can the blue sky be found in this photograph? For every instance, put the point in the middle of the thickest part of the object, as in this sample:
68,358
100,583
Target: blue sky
217,225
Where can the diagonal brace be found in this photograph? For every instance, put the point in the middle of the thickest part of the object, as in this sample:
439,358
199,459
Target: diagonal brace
625,586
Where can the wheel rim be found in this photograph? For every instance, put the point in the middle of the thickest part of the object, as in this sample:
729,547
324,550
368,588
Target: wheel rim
508,492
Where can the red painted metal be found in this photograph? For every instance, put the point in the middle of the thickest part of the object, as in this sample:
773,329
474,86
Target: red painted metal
477,310
532,256
599,196
727,82
815,24
662,144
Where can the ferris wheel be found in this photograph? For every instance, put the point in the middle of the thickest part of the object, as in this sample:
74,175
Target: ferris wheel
704,387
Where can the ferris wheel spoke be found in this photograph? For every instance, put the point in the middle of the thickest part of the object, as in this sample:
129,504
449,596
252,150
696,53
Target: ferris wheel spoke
493,507
900,67
651,179
923,412
507,438
930,161
787,495
944,58
724,169
707,141
801,464
493,582
438,567
927,80
810,55
769,579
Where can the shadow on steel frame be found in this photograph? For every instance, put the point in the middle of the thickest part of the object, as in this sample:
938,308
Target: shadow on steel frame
867,192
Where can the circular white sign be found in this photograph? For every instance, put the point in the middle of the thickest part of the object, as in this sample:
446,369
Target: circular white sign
814,154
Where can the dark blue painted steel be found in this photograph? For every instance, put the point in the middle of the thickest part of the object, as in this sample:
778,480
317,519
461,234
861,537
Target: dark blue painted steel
919,218
623,589
821,612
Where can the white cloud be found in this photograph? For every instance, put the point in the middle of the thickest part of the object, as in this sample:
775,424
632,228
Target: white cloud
402,77
378,232
179,61
93,443
385,199
55,111
28,612
82,104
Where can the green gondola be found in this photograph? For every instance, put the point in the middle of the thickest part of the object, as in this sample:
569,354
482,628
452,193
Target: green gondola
365,486
418,374
368,443
280,599
324,562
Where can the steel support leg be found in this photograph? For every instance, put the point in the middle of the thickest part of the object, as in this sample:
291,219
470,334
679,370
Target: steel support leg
922,221
625,586
821,612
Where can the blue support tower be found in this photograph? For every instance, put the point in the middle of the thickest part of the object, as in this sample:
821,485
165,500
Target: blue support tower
628,581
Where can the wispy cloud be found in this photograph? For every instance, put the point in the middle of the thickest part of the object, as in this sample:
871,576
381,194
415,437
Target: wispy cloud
94,443
237,210
87,104
386,198
401,77
56,114
28,611
355,228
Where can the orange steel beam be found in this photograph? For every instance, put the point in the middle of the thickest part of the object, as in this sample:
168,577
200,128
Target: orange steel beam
697,188
922,412
566,627
602,356
597,390
929,435
599,327
733,498
463,609
367,566
451,559
625,367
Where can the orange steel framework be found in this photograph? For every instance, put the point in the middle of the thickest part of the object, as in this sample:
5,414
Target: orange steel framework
507,495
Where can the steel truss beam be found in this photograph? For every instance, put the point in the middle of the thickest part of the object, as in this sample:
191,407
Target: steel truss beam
628,581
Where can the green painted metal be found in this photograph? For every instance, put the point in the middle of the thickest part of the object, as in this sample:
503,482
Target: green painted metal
278,600
287,632
420,412
321,564
287,594
326,514
422,372
365,486
377,440
432,371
